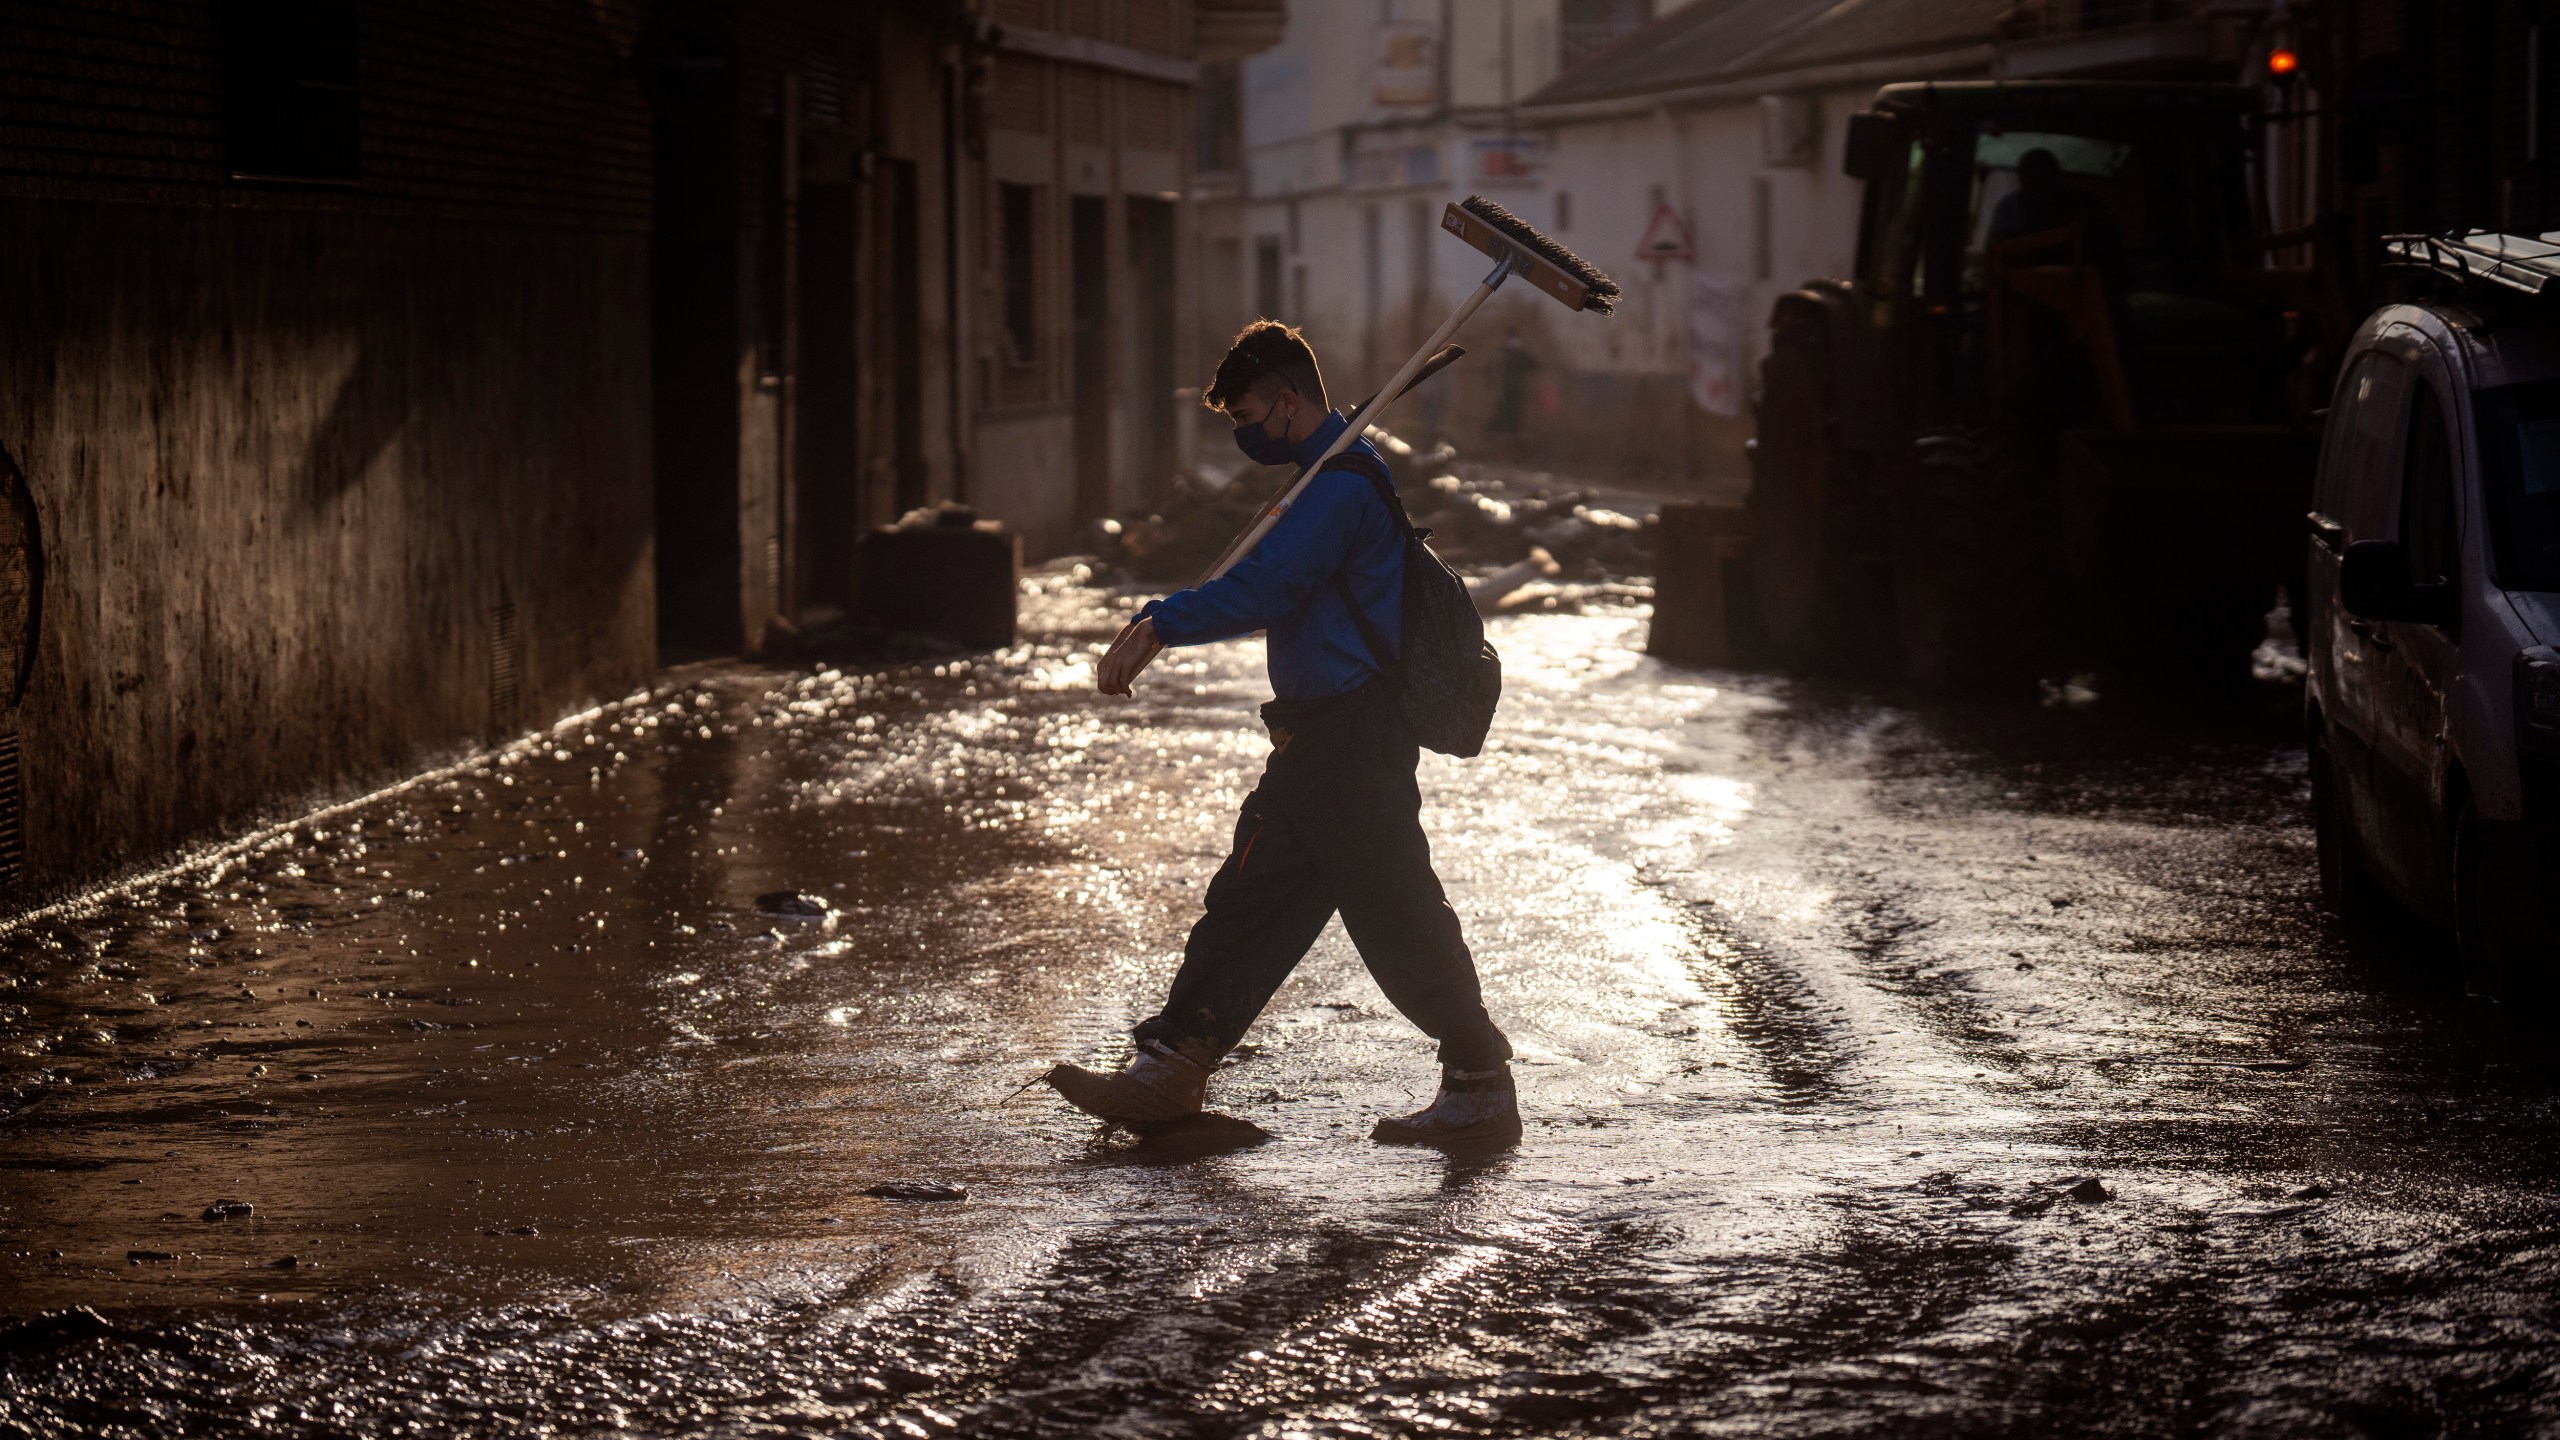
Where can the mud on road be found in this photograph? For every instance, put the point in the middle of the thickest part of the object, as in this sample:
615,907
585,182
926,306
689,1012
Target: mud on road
1889,1070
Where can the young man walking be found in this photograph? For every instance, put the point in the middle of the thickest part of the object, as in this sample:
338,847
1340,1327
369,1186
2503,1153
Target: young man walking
1336,823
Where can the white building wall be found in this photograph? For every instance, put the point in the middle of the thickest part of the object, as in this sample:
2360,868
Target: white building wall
1609,395
1484,71
1365,268
1708,165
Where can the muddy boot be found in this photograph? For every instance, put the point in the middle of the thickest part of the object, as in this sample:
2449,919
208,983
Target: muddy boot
1474,1107
1159,1083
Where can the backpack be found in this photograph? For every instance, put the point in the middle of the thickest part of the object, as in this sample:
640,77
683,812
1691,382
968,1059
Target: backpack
1446,677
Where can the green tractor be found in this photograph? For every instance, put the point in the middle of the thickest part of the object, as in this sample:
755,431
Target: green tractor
2060,421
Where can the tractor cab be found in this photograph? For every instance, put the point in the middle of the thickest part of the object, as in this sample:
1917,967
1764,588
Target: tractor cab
2069,346
2105,227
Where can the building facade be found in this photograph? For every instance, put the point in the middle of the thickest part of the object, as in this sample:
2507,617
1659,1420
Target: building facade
912,252
378,381
1702,156
1695,154
812,264
1357,130
1082,265
2410,116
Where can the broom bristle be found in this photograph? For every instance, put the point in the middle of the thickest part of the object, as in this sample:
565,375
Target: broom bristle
1604,291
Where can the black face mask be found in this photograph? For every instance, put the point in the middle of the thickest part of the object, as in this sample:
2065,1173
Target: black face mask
1262,447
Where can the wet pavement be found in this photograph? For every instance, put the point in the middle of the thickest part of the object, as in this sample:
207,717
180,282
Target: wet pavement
1890,1070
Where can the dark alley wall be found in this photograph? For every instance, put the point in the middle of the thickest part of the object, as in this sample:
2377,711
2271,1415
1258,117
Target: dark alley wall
336,470
2441,111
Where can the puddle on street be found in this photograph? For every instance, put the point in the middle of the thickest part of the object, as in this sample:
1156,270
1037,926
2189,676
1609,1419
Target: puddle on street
498,1103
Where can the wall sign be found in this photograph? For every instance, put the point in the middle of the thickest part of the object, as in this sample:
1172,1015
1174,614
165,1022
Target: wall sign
1511,157
1406,70
1666,238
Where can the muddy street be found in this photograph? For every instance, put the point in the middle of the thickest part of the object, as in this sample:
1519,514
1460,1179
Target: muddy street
1887,1070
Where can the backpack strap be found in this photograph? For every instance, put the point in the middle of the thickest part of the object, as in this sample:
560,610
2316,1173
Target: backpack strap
1393,669
1376,472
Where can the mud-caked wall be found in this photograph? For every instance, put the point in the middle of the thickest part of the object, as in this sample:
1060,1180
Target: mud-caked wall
336,472
302,482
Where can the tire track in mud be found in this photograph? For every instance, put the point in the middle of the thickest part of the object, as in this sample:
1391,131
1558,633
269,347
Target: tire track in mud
1648,758
1777,1016
1473,1330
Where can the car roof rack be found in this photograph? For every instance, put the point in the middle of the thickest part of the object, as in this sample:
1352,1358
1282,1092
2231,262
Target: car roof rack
2527,264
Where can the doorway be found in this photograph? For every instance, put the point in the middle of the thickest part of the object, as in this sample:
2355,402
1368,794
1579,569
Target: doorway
828,469
695,322
1089,244
1151,279
897,334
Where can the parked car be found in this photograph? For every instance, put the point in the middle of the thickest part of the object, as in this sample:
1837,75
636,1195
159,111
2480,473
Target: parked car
2433,609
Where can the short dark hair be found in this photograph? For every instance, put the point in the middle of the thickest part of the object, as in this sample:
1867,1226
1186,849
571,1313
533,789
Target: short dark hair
1266,357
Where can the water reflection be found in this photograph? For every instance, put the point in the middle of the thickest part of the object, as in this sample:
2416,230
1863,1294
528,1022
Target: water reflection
559,1128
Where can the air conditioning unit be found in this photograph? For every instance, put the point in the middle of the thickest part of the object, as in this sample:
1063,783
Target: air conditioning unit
1790,130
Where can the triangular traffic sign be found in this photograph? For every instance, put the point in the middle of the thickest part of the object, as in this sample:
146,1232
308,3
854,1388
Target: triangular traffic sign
1666,238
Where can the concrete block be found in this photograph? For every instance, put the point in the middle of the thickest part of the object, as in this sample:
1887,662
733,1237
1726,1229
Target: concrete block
1701,585
955,576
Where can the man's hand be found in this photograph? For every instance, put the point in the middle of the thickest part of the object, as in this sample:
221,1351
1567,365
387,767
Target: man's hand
1127,656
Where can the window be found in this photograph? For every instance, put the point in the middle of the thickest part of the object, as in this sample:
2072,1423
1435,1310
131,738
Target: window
291,90
1422,230
1763,256
2519,429
2426,493
1266,276
1219,112
1893,220
1564,210
2375,446
2360,418
1373,282
1020,209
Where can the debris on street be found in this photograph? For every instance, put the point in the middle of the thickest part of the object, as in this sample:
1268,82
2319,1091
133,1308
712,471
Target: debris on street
1528,540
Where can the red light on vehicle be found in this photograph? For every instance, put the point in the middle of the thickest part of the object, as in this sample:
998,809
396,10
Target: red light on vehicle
2281,63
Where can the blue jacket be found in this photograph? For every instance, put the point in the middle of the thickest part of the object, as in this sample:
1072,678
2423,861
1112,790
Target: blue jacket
1286,585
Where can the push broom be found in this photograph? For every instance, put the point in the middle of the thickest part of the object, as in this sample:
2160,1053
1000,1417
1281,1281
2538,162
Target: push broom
1517,249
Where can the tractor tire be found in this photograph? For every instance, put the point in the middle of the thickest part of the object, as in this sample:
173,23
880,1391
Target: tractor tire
1975,574
1820,608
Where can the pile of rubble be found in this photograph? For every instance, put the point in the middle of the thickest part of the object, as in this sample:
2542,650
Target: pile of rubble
1527,540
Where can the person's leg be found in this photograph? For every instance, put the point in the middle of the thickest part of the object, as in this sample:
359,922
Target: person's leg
1361,816
1265,906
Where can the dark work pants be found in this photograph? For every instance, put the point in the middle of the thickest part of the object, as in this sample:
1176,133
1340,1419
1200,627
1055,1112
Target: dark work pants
1335,825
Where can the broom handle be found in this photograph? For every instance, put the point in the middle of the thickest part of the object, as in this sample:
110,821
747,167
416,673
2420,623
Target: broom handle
1441,359
1359,422
1351,430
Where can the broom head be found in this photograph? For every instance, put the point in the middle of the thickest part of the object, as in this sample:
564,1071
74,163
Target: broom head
1573,281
